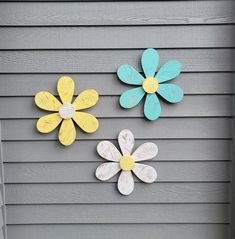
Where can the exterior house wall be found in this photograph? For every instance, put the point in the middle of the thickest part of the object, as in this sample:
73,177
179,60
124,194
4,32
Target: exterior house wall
50,191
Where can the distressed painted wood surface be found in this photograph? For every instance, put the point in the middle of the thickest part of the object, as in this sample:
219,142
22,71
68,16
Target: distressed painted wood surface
145,173
67,113
107,170
126,162
107,150
145,151
114,13
125,183
126,141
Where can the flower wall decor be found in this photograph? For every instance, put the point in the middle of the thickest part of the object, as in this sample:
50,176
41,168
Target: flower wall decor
126,162
150,85
67,112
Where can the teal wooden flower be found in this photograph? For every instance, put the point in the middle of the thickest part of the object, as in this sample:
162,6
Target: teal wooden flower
151,85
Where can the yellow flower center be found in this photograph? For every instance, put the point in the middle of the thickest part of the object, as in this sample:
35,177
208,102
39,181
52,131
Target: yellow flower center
127,163
150,85
67,111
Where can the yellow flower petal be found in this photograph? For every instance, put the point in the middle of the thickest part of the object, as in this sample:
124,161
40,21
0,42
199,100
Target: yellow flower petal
46,101
48,123
86,122
67,133
86,99
65,88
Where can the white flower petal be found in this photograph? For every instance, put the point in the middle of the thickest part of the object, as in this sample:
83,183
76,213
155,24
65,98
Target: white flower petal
145,173
125,183
126,141
108,151
107,170
145,151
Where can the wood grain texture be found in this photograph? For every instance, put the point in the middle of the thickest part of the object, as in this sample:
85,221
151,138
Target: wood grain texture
107,170
86,99
46,101
126,141
169,150
67,132
86,122
107,150
145,151
48,122
78,193
125,183
85,172
116,13
107,61
166,128
137,231
115,37
108,84
164,213
65,88
145,173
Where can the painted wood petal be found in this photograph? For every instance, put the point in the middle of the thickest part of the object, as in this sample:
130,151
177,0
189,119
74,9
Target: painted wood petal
108,151
131,98
170,92
107,170
86,122
48,123
67,133
126,141
46,101
152,107
86,99
65,88
125,183
145,151
129,75
168,71
149,62
145,173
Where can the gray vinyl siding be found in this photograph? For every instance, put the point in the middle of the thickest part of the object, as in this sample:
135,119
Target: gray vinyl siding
2,195
49,191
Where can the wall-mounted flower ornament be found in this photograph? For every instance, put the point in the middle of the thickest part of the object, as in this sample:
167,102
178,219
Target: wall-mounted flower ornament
67,112
150,85
126,162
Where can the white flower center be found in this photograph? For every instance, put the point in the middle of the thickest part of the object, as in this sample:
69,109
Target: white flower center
67,111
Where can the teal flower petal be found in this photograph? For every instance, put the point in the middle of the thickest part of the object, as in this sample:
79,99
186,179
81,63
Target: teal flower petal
149,62
168,71
152,107
170,92
129,75
132,97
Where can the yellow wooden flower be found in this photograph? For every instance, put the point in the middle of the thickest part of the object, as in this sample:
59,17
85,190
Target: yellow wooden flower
67,112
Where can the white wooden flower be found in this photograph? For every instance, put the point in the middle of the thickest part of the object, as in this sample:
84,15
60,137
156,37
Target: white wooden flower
126,162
